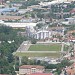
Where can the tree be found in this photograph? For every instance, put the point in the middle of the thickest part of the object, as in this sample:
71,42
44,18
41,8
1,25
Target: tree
16,63
5,67
6,49
33,41
24,60
40,15
51,66
65,63
5,29
39,25
10,58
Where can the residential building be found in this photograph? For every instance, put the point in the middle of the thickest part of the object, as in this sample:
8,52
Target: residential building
42,34
69,21
30,31
29,69
57,30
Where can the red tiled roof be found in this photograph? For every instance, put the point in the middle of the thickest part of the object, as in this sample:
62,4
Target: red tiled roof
70,71
71,38
41,74
30,66
72,31
73,10
3,74
10,17
73,64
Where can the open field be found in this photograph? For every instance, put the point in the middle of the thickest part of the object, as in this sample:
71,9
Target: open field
46,47
53,55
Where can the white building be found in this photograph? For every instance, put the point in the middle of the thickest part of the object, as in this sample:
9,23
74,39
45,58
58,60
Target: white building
69,21
29,69
43,34
54,2
19,25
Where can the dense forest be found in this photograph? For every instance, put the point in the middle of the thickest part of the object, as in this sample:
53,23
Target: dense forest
9,42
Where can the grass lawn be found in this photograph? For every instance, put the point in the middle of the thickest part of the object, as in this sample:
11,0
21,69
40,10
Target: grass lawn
42,47
65,47
53,55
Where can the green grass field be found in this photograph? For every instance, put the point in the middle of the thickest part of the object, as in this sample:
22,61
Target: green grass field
42,50
42,47
53,55
66,47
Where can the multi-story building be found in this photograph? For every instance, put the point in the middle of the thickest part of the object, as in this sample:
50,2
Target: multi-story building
43,34
29,69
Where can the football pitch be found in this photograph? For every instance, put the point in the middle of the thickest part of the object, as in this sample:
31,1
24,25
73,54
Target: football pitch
42,50
46,47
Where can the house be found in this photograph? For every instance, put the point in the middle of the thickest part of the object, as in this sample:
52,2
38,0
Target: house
71,39
72,11
29,69
70,32
70,71
57,30
69,21
2,2
41,74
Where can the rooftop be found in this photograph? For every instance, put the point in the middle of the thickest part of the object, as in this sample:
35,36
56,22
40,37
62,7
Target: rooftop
3,74
19,25
41,74
72,11
10,17
31,66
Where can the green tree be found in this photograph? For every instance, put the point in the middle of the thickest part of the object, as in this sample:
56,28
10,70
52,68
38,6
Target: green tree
65,63
5,67
33,41
10,58
24,60
39,25
5,29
